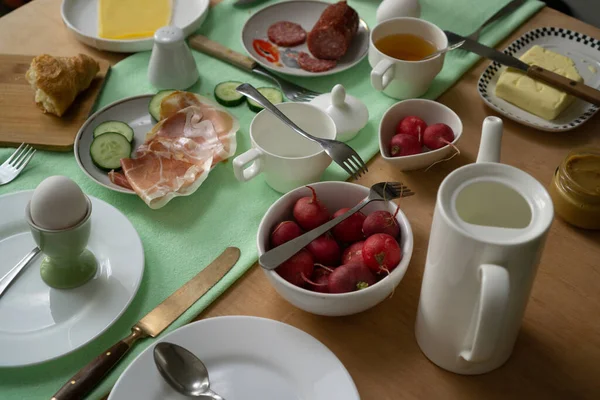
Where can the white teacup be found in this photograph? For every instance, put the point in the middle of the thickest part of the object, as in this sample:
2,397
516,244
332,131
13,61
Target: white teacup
287,159
402,79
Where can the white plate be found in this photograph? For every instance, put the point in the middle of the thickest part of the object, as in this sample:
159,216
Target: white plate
134,112
305,13
81,18
247,358
38,323
582,49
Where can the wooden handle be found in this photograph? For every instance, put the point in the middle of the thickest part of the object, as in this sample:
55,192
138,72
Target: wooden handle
91,375
572,87
217,50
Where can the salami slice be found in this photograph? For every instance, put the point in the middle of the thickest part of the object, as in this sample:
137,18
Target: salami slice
286,34
312,64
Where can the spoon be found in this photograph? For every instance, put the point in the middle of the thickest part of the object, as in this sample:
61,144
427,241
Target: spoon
11,275
183,371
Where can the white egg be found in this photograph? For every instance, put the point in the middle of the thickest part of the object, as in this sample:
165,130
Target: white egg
398,8
57,203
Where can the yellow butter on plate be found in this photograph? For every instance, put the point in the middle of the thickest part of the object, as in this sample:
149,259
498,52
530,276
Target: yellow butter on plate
132,19
534,96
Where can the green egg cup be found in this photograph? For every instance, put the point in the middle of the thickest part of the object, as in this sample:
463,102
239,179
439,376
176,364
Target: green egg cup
67,263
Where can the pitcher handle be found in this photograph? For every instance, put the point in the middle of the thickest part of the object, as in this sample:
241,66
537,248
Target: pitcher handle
491,140
493,302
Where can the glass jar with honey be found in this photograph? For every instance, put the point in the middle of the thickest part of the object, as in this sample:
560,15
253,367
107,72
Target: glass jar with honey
575,188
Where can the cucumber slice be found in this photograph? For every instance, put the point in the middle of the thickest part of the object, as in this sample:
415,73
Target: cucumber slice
115,126
272,94
107,150
226,95
154,105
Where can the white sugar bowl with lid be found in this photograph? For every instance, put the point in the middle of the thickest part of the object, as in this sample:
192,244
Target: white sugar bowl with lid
349,114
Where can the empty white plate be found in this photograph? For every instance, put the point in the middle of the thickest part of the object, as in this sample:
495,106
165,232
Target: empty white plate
305,13
247,358
582,49
81,18
39,323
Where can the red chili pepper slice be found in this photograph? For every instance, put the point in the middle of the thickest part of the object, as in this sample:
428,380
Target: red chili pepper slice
266,50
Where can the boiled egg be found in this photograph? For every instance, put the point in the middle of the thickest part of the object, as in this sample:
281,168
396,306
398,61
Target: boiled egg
57,203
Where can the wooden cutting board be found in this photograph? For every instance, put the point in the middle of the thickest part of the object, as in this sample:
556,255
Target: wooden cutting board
21,121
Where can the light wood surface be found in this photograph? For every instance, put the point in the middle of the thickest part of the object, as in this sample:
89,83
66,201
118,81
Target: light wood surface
557,355
22,121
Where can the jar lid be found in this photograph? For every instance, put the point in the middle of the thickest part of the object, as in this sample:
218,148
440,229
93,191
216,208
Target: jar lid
349,114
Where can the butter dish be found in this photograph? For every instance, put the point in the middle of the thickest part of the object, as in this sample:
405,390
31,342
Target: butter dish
580,48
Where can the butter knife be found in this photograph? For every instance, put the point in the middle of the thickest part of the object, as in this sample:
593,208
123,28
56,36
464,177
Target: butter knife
151,325
574,88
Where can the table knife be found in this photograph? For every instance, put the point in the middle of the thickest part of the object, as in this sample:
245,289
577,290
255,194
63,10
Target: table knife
574,88
151,325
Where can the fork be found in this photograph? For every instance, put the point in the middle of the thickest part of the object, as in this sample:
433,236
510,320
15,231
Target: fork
382,191
292,91
341,153
13,166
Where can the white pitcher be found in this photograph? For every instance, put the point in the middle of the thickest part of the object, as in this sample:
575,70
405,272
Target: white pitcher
488,232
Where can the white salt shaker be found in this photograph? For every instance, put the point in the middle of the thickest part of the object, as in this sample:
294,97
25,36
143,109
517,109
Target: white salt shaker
172,65
349,114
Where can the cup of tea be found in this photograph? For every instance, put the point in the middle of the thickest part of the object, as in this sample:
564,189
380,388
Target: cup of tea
397,50
286,159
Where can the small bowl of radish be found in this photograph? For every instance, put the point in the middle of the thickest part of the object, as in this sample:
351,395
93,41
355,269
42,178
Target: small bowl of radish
417,133
350,269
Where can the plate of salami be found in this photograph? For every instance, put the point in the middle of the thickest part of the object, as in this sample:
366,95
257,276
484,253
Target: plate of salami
156,146
306,38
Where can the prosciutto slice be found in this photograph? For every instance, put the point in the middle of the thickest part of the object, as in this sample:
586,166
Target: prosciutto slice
179,152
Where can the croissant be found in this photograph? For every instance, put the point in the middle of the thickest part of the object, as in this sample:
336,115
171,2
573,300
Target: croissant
58,80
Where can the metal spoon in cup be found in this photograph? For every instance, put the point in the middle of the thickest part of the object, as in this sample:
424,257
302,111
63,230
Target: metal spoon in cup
183,371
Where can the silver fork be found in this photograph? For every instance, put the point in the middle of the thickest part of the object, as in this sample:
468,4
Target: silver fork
382,191
292,91
341,153
13,166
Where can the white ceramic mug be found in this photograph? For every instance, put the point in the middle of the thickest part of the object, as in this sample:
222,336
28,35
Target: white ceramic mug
287,159
488,232
402,79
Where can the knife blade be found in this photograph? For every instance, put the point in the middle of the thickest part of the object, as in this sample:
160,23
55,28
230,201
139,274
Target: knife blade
151,325
560,82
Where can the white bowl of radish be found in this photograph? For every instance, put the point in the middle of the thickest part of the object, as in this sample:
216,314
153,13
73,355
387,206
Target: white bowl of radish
348,284
417,133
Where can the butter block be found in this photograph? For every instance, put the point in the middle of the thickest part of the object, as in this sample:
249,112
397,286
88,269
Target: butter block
132,19
534,96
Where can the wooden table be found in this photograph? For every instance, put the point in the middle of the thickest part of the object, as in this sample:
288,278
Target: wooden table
557,355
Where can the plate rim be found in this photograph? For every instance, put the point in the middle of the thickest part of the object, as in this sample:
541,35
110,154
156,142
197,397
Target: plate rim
490,72
126,305
193,325
308,74
117,45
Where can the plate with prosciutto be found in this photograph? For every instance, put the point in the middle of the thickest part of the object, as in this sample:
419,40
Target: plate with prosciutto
157,146
306,38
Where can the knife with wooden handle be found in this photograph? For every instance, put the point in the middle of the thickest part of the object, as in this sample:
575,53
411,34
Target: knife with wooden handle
572,87
151,325
217,50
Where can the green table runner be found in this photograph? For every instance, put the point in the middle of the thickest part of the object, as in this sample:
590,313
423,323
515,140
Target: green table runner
189,232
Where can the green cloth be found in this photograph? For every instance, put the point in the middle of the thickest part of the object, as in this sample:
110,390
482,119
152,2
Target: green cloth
189,232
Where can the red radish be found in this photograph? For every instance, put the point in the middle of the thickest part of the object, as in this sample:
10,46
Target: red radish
412,125
309,212
350,277
437,136
381,252
284,232
320,280
404,145
298,268
325,250
353,253
381,222
350,229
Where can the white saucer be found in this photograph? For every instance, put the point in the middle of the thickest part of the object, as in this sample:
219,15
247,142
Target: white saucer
306,13
247,358
38,323
81,18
